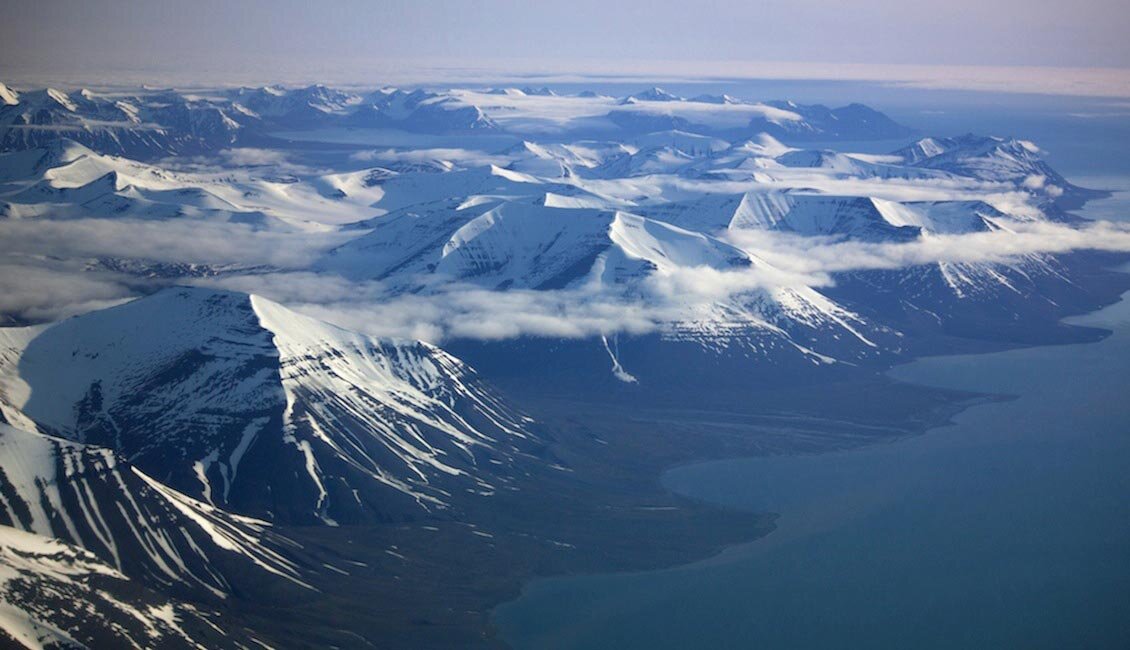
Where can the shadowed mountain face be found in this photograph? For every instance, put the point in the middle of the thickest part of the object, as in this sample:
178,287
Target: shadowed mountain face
149,126
57,595
88,496
243,404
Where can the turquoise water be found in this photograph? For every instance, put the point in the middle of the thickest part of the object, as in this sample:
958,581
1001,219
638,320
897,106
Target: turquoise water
1010,529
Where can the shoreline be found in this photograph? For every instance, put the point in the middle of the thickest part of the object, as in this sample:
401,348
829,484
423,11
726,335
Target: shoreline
724,550
975,399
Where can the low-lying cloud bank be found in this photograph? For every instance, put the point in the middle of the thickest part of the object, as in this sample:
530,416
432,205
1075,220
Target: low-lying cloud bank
812,255
50,271
452,310
459,310
183,241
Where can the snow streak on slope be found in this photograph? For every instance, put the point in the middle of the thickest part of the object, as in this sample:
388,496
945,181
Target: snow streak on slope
245,405
56,595
603,253
88,497
404,414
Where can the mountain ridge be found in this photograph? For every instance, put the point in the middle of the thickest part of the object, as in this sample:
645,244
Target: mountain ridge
368,428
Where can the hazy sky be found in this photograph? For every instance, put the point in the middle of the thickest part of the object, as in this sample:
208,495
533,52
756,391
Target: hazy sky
287,36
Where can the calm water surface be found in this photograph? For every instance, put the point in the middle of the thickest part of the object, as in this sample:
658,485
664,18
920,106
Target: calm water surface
1010,529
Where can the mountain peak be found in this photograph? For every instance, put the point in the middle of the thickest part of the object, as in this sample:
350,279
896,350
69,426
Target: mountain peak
223,394
61,98
716,99
653,94
544,91
8,97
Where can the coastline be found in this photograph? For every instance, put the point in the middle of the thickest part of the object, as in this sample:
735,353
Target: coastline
945,421
940,418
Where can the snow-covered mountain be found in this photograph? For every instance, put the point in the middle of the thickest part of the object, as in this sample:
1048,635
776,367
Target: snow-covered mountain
89,497
8,97
552,214
67,180
515,245
243,404
56,595
141,126
851,122
653,94
1005,160
556,160
150,124
178,462
310,106
859,218
688,176
419,110
467,187
155,124
524,245
655,109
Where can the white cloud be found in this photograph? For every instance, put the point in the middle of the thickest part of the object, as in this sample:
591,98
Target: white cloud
463,157
813,255
458,310
34,284
32,291
450,310
249,156
172,241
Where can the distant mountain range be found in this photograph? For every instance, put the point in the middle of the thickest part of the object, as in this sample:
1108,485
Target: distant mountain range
154,124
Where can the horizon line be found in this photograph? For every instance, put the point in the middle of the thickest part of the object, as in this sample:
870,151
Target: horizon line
1099,82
